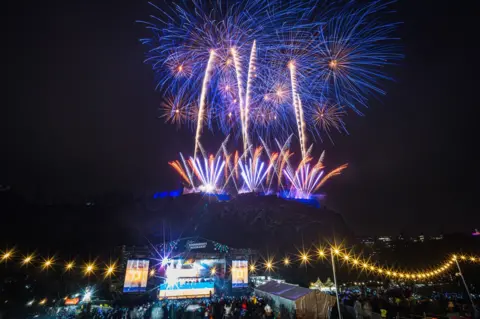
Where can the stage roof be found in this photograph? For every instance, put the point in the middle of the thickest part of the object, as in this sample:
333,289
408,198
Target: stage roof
287,291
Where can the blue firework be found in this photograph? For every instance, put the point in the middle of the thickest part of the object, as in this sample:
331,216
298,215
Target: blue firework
340,56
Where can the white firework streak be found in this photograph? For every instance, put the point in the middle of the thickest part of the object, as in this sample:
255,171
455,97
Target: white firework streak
297,104
238,72
233,167
253,174
251,71
203,95
230,166
304,181
283,149
189,173
274,160
209,173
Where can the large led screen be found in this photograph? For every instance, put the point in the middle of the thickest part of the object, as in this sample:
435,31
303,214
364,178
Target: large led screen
191,278
136,275
239,273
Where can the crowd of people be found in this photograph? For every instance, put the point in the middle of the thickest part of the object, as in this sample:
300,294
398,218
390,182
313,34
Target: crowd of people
224,307
402,303
354,304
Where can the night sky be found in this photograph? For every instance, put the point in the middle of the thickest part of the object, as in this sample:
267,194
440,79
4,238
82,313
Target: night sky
80,116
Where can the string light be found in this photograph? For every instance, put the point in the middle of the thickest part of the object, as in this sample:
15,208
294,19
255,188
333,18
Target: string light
7,255
110,270
269,264
303,258
27,260
69,265
48,263
89,269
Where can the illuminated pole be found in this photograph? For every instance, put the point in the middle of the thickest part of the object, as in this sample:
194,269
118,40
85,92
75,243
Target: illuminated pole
464,283
336,286
203,96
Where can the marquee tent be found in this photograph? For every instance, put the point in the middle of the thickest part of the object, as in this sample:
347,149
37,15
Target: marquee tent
306,303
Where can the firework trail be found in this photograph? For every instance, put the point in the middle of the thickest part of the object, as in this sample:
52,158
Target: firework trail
183,170
238,73
333,173
284,156
297,107
203,97
251,71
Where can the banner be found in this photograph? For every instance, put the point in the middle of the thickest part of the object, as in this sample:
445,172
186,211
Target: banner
239,273
136,276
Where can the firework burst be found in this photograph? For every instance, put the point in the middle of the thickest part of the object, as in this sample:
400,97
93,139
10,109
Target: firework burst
352,51
328,119
173,111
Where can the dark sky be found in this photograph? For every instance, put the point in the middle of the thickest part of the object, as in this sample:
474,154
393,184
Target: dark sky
80,116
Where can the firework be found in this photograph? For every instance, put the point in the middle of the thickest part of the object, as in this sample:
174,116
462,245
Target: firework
238,73
297,105
174,111
208,173
257,69
202,100
308,178
351,53
254,172
216,173
251,73
339,55
328,118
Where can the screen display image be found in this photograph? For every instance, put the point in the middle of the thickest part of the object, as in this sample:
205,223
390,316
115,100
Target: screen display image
191,278
239,273
136,275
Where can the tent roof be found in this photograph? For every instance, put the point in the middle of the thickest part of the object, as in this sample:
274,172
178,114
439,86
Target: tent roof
284,290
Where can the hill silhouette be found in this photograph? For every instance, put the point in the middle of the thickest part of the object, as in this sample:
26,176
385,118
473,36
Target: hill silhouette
244,221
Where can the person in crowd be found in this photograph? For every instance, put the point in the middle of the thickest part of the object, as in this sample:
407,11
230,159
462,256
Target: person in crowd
227,311
268,311
367,310
358,309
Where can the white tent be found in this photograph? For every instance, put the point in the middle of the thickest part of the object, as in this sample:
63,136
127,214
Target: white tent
306,303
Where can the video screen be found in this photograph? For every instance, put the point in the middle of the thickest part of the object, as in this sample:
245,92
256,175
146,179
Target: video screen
136,275
239,273
191,278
